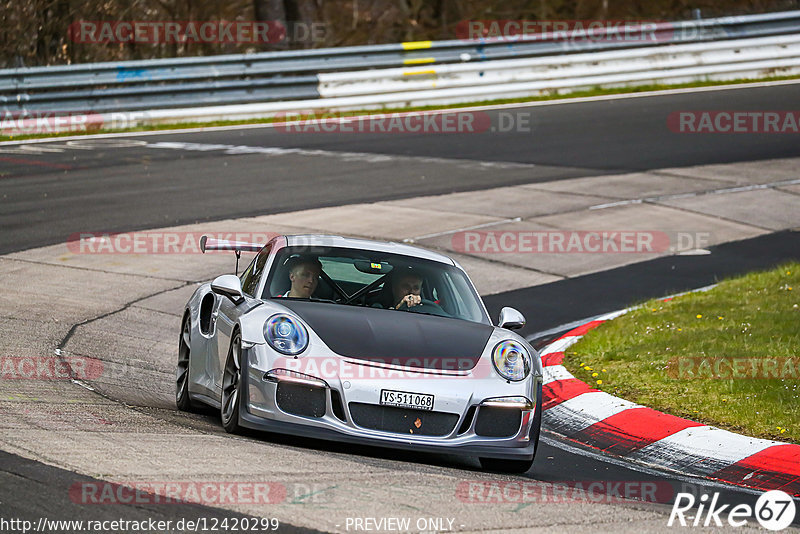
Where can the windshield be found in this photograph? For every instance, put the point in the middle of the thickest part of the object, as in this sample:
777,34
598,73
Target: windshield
374,279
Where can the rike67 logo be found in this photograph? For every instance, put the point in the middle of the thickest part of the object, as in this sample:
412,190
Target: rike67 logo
774,510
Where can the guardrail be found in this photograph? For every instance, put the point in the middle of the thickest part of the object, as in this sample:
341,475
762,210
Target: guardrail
739,58
362,77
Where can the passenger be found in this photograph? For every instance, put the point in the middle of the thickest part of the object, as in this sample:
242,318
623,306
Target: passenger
304,274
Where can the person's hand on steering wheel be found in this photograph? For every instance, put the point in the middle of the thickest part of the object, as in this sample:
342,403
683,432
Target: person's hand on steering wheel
409,301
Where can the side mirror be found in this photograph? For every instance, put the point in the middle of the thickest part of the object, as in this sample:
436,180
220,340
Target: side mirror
228,285
511,319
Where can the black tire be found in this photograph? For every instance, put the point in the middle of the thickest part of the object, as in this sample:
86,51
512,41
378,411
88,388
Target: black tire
231,387
182,399
537,422
519,466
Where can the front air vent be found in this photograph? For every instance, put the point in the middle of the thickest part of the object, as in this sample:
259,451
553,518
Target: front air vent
301,399
402,420
498,422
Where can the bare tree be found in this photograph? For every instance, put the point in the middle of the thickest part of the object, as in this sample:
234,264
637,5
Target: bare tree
36,32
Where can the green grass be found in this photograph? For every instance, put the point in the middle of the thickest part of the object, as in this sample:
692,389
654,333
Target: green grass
554,96
695,356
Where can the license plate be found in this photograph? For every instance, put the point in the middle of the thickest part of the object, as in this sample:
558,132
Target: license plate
405,399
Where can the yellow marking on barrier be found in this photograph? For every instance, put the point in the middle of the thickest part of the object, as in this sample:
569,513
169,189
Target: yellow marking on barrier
418,72
419,60
416,45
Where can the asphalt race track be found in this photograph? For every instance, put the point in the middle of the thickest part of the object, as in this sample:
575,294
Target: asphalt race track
52,190
115,185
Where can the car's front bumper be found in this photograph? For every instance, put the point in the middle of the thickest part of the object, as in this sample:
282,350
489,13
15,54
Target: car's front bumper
453,395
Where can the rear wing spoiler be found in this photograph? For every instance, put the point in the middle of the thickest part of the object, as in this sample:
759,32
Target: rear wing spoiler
209,243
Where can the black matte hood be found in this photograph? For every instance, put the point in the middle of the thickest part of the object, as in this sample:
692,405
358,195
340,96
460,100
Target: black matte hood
395,337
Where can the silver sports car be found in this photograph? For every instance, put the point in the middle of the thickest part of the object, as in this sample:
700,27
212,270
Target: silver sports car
365,342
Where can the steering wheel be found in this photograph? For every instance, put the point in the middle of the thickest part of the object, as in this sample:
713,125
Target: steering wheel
425,306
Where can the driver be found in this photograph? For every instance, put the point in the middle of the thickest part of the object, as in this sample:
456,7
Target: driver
406,289
304,274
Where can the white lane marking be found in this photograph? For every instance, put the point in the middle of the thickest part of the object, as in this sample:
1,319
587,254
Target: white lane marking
89,144
554,373
623,96
566,327
615,314
695,252
581,412
82,384
29,150
40,149
346,156
706,449
560,344
70,146
721,191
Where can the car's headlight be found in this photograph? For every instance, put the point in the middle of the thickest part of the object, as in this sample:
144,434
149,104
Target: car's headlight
511,360
285,334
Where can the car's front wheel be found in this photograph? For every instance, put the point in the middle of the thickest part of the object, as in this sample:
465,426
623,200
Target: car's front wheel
182,399
232,387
